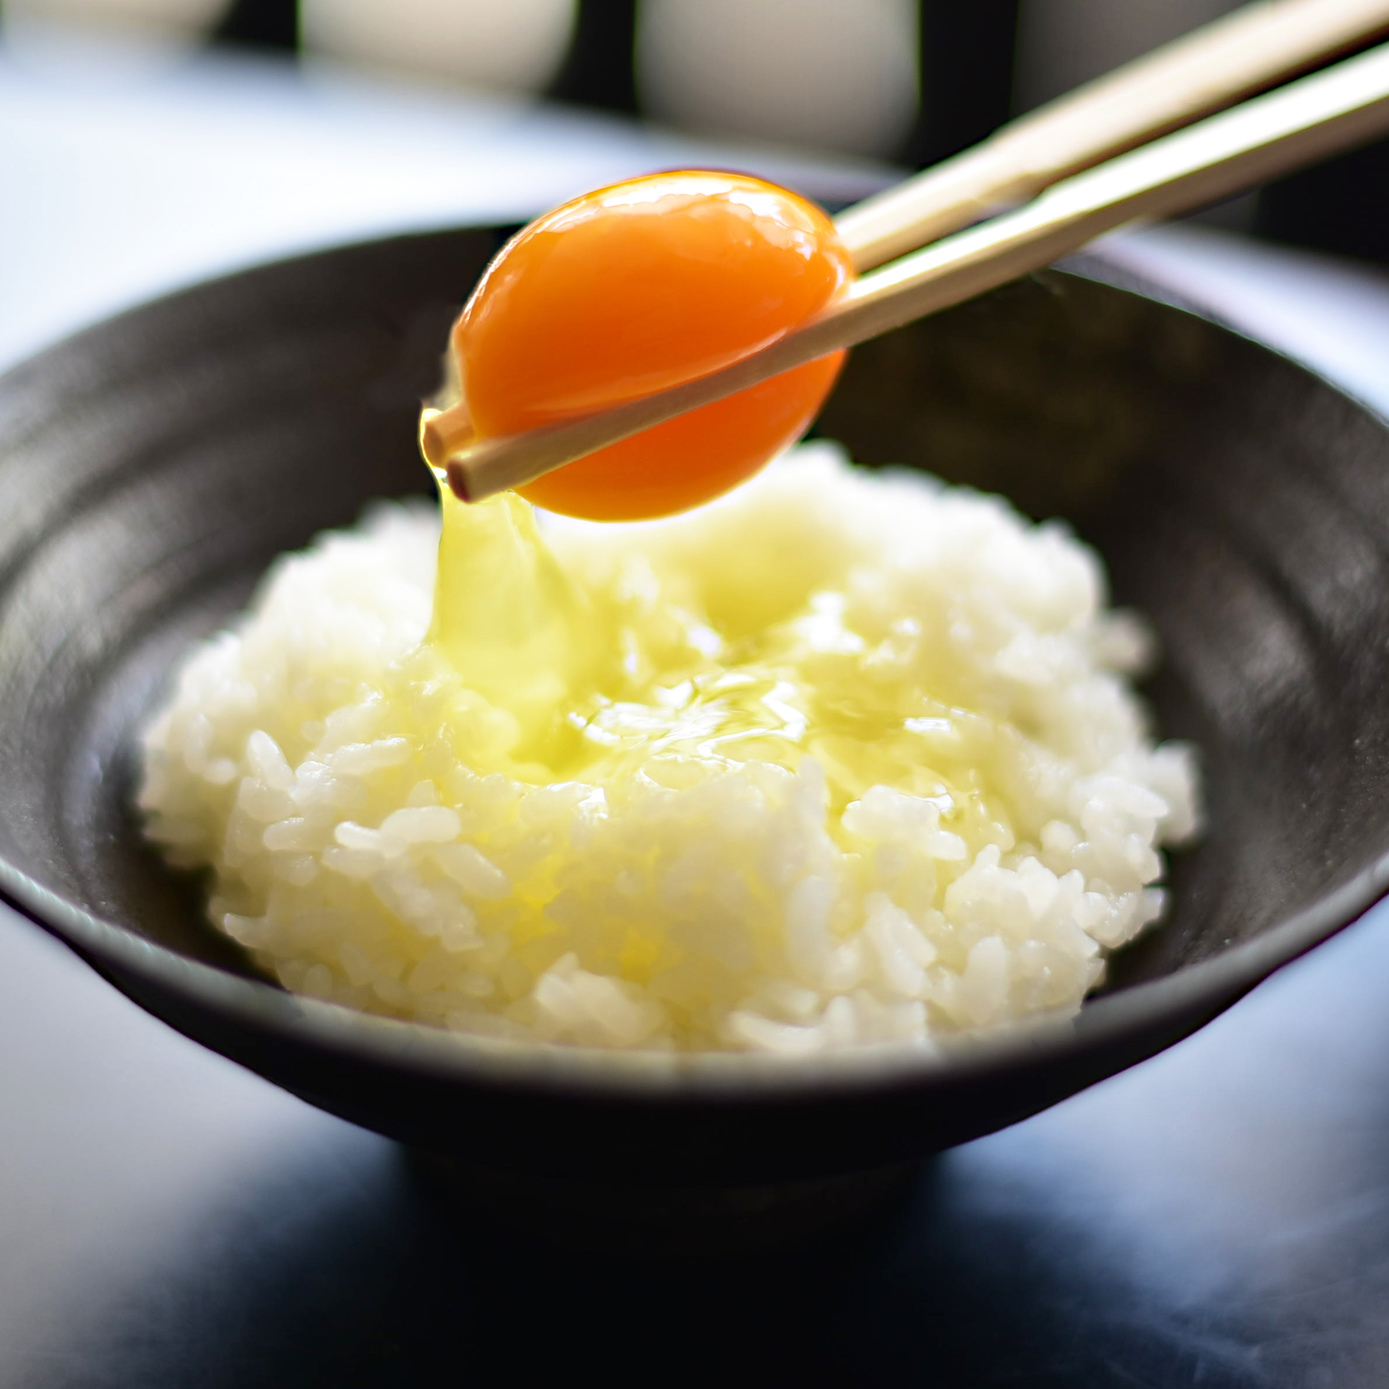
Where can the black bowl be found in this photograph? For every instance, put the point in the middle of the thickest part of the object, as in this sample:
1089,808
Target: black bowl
151,467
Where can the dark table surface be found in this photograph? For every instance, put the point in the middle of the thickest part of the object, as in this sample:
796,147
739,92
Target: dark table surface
1217,1217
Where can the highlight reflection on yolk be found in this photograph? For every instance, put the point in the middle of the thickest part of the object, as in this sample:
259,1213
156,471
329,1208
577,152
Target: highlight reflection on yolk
640,286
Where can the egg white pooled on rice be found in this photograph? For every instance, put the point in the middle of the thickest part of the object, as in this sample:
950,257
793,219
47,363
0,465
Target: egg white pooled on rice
941,811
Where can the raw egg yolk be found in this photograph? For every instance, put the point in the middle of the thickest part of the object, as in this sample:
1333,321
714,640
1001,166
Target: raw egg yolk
644,285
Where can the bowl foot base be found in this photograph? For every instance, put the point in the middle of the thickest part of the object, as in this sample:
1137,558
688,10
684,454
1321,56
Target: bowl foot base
666,1222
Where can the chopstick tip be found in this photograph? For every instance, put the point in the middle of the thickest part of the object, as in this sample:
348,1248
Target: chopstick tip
459,481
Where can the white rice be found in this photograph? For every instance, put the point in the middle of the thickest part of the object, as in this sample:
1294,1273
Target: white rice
716,897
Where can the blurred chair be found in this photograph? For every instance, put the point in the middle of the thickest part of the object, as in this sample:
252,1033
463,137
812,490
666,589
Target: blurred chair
515,45
832,74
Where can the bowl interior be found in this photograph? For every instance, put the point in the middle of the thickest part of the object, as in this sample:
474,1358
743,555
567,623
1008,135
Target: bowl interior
151,468
1238,501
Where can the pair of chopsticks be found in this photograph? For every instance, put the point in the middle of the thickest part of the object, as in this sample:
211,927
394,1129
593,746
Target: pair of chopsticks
1050,163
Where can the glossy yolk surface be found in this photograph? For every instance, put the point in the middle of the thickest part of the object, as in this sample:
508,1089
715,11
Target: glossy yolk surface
638,287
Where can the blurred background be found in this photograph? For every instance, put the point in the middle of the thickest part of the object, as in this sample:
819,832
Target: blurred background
149,144
904,82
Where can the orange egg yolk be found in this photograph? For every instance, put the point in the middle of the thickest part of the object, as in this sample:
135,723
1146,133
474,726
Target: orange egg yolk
644,285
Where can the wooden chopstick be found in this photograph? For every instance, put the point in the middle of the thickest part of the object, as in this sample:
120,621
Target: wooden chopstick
1250,49
1257,140
1167,88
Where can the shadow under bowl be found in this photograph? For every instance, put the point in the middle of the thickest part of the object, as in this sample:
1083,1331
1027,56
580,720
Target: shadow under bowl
152,467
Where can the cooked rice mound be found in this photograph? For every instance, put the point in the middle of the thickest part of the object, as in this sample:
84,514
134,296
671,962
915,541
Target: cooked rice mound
870,772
